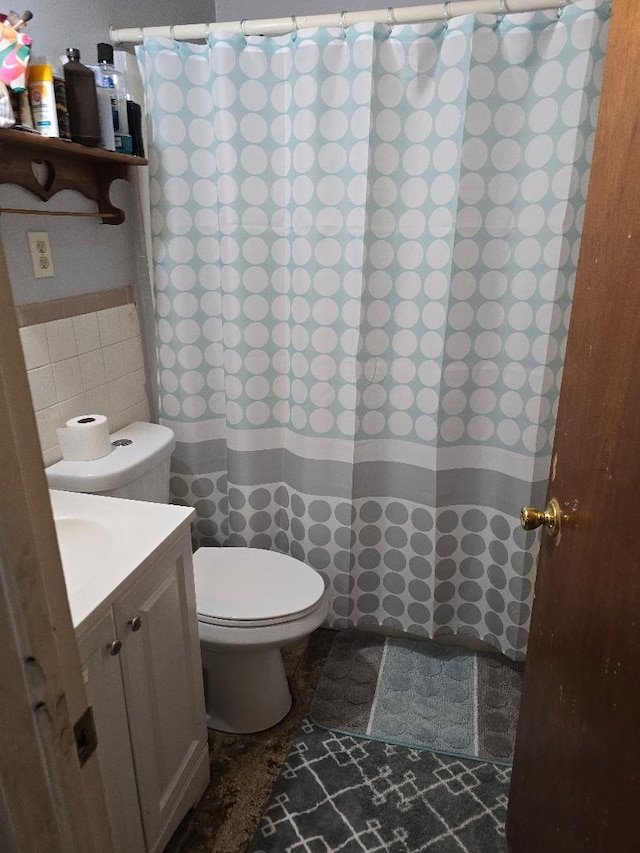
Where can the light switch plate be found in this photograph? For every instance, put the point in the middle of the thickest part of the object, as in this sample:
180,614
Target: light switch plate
40,250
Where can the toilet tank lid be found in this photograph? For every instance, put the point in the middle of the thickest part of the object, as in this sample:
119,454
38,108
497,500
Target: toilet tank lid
150,444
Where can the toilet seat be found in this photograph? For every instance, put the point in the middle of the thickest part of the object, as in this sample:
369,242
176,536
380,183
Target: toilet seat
252,588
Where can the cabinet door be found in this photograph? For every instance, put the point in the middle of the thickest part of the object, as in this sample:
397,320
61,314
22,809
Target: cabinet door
105,690
162,674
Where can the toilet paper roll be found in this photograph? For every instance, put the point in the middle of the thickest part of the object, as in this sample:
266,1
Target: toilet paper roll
85,438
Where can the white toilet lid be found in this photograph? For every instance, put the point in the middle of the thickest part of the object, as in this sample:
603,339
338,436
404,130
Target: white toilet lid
253,586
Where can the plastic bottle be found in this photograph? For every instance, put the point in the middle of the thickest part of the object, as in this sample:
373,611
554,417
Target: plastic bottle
42,97
81,100
62,110
114,80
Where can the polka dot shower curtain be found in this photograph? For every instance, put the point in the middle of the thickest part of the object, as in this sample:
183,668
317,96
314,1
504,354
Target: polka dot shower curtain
365,248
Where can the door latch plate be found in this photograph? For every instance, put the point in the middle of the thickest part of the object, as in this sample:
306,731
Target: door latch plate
85,734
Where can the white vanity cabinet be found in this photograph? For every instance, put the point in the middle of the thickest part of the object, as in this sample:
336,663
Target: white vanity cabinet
105,691
142,666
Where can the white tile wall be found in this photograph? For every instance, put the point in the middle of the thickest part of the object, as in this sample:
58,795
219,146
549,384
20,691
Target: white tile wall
35,346
90,363
61,339
85,327
43,391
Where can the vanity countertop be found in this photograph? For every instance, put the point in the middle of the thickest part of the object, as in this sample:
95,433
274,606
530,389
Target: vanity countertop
105,543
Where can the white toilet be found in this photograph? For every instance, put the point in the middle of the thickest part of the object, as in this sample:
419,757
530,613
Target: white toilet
250,602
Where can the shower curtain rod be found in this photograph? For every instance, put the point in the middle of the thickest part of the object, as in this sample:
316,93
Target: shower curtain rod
390,16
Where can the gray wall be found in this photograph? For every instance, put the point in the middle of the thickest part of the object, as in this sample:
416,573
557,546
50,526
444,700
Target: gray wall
236,10
71,23
87,255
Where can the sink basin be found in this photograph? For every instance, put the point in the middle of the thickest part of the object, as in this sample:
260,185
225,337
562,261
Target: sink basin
103,540
83,542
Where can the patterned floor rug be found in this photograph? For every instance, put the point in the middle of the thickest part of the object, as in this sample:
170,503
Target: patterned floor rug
419,694
341,794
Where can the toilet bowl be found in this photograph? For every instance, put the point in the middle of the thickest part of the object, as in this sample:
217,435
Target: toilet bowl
250,604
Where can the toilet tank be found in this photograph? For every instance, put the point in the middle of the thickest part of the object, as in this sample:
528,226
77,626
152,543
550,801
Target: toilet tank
137,468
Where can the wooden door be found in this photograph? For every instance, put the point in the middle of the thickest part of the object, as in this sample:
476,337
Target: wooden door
103,681
49,802
162,677
575,784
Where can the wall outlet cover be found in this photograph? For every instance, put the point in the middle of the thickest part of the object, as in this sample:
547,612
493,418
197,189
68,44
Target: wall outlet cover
40,250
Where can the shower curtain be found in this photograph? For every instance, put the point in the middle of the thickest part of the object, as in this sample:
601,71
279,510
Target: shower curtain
365,248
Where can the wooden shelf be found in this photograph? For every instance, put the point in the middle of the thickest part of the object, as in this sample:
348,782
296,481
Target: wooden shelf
45,166
43,144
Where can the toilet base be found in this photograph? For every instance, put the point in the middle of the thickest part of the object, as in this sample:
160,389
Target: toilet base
245,684
246,692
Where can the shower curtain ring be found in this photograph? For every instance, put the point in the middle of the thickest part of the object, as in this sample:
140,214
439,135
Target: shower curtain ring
172,34
343,24
560,10
391,20
501,13
140,35
446,12
243,30
207,33
294,28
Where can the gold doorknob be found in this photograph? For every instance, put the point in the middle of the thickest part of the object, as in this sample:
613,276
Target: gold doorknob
550,518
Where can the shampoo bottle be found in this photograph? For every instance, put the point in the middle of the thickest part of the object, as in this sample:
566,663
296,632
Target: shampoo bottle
113,80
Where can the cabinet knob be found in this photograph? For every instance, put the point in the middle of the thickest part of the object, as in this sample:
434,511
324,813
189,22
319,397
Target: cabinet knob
136,623
114,647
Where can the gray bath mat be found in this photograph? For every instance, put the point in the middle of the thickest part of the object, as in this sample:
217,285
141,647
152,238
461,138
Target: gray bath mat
337,792
419,694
